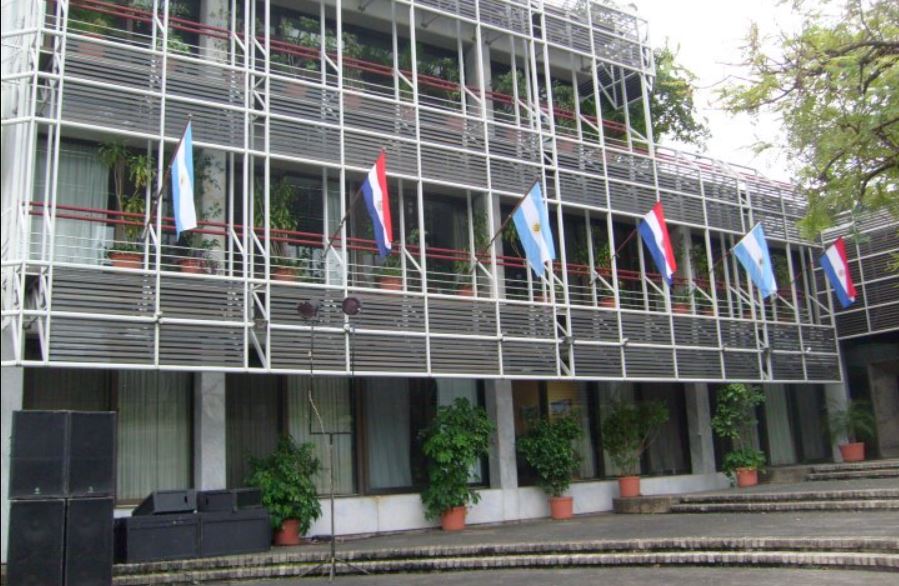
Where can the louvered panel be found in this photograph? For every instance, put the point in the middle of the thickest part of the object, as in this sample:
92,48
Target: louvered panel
877,267
462,316
381,116
784,337
787,366
611,48
630,198
464,8
527,321
190,345
822,368
308,102
741,366
605,18
89,341
720,187
738,334
678,177
699,364
570,153
203,81
504,15
773,224
646,328
455,166
851,323
596,326
391,312
362,150
629,168
382,353
464,356
201,299
878,241
883,291
682,208
567,34
819,339
648,362
111,110
885,318
583,189
210,124
285,299
103,292
119,65
514,177
515,143
527,358
451,129
695,331
296,138
724,216
290,350
598,361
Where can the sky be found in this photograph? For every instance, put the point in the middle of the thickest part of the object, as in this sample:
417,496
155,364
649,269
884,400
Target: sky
710,34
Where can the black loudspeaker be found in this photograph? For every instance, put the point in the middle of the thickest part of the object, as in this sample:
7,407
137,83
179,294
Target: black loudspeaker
246,531
157,538
165,502
38,454
36,539
92,463
228,500
89,542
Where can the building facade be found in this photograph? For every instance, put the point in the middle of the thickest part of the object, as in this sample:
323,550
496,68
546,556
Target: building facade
196,341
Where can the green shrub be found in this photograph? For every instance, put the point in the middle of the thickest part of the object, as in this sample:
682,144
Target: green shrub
285,479
734,420
855,422
548,447
629,429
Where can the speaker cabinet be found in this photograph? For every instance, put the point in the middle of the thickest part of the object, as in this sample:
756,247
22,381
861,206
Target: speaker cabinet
157,538
165,502
38,454
37,533
228,500
245,531
92,468
89,542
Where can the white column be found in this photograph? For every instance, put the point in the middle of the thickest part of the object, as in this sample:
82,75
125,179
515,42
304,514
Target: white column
11,379
503,466
699,426
210,470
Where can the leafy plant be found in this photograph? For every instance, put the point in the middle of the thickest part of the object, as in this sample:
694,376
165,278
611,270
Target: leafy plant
548,447
90,22
282,195
285,480
629,429
128,171
699,261
734,420
746,457
454,441
854,423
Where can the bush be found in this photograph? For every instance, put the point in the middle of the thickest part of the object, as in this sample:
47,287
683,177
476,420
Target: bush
629,429
548,448
734,419
747,457
285,480
454,441
854,423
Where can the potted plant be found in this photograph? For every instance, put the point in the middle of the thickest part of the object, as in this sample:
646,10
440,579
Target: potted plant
455,441
193,251
734,419
135,172
548,446
281,220
848,426
391,275
680,298
288,491
627,431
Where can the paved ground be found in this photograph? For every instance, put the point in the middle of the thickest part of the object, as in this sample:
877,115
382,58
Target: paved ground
810,486
616,576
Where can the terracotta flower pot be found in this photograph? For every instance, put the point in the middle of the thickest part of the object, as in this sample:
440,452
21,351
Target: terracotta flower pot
561,507
284,274
629,486
747,477
608,302
680,308
126,260
465,291
191,265
853,452
288,534
391,283
453,519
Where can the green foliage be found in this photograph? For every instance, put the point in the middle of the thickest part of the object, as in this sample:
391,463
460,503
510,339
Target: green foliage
629,429
746,457
548,447
131,174
699,261
855,422
281,216
734,420
454,441
285,479
833,83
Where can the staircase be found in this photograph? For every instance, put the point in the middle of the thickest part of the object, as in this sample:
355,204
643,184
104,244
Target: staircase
886,499
856,470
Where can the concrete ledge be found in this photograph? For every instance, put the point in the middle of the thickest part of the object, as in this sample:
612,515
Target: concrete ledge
775,507
853,466
784,474
820,495
643,505
855,474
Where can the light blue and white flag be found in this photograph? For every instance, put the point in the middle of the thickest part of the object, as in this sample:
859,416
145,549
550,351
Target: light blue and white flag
752,252
183,184
532,223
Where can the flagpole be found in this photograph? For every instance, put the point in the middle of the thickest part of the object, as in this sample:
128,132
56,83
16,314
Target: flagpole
626,240
154,201
504,224
342,222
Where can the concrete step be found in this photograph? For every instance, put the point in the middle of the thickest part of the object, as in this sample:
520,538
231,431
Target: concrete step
854,474
892,464
779,507
868,553
770,497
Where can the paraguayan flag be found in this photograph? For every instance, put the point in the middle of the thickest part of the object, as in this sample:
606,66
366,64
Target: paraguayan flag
183,184
532,223
752,252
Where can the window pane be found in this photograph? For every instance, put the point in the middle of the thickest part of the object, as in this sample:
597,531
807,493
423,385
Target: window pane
253,410
387,433
66,389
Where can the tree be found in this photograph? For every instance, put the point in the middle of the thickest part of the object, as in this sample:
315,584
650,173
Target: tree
834,85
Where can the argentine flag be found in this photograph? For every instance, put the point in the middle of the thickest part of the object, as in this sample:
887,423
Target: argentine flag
374,191
752,252
532,223
183,184
654,231
836,267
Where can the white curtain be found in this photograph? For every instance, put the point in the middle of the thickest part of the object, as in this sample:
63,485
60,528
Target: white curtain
780,438
154,437
82,181
387,433
253,410
450,389
332,400
585,443
666,454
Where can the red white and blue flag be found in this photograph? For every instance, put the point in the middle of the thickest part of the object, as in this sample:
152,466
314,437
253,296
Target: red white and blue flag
655,234
374,190
836,267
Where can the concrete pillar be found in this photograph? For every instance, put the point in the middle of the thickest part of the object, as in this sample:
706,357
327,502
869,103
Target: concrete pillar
883,381
500,408
11,379
836,396
699,428
210,470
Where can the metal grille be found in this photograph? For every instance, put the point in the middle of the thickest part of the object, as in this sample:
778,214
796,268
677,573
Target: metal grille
529,358
646,328
189,345
583,189
464,8
200,299
649,362
504,15
527,321
683,208
783,337
819,339
100,341
738,334
695,331
787,366
598,361
698,364
463,316
100,292
822,368
290,350
380,353
594,325
464,356
741,366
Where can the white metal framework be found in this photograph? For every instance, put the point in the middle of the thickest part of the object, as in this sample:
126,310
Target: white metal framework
262,101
